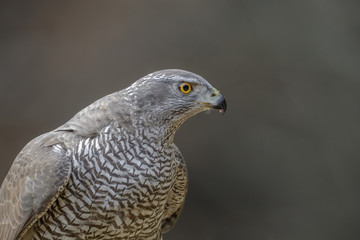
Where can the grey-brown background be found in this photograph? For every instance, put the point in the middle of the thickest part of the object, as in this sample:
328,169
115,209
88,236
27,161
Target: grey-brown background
283,163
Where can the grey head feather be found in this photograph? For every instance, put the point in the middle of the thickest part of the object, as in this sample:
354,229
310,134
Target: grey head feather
152,100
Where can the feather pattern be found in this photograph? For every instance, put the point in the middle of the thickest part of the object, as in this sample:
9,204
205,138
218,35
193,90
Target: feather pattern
112,171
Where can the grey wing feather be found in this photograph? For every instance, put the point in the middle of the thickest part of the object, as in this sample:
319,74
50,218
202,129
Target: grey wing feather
38,174
176,197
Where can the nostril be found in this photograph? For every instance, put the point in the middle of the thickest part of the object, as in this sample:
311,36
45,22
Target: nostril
213,95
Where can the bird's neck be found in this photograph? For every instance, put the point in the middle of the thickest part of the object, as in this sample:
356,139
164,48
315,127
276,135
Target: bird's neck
91,120
157,130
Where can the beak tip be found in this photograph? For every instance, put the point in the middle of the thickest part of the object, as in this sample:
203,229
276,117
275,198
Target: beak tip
221,105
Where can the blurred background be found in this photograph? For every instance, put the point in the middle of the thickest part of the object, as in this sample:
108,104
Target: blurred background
282,163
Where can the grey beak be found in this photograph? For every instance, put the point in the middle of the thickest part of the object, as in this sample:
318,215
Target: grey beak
220,104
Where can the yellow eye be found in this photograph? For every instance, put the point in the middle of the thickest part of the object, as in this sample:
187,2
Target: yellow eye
185,87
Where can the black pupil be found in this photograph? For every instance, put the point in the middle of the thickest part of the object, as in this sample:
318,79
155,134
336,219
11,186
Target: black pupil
186,87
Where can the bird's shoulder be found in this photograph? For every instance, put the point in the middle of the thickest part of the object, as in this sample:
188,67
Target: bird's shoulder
36,177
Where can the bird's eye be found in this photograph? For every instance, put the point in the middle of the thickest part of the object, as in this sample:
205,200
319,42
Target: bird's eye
185,87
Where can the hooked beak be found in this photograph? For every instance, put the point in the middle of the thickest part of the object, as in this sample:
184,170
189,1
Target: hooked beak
214,101
219,103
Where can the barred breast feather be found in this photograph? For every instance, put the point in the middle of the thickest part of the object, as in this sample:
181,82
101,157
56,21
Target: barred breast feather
110,172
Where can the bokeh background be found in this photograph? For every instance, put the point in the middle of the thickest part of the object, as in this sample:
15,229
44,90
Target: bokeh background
283,163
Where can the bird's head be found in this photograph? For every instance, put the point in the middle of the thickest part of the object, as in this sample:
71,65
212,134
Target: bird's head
174,95
164,98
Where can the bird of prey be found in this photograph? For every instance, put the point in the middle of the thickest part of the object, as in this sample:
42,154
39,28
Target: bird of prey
112,171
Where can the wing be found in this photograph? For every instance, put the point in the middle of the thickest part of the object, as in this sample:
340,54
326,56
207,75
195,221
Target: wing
37,176
176,197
